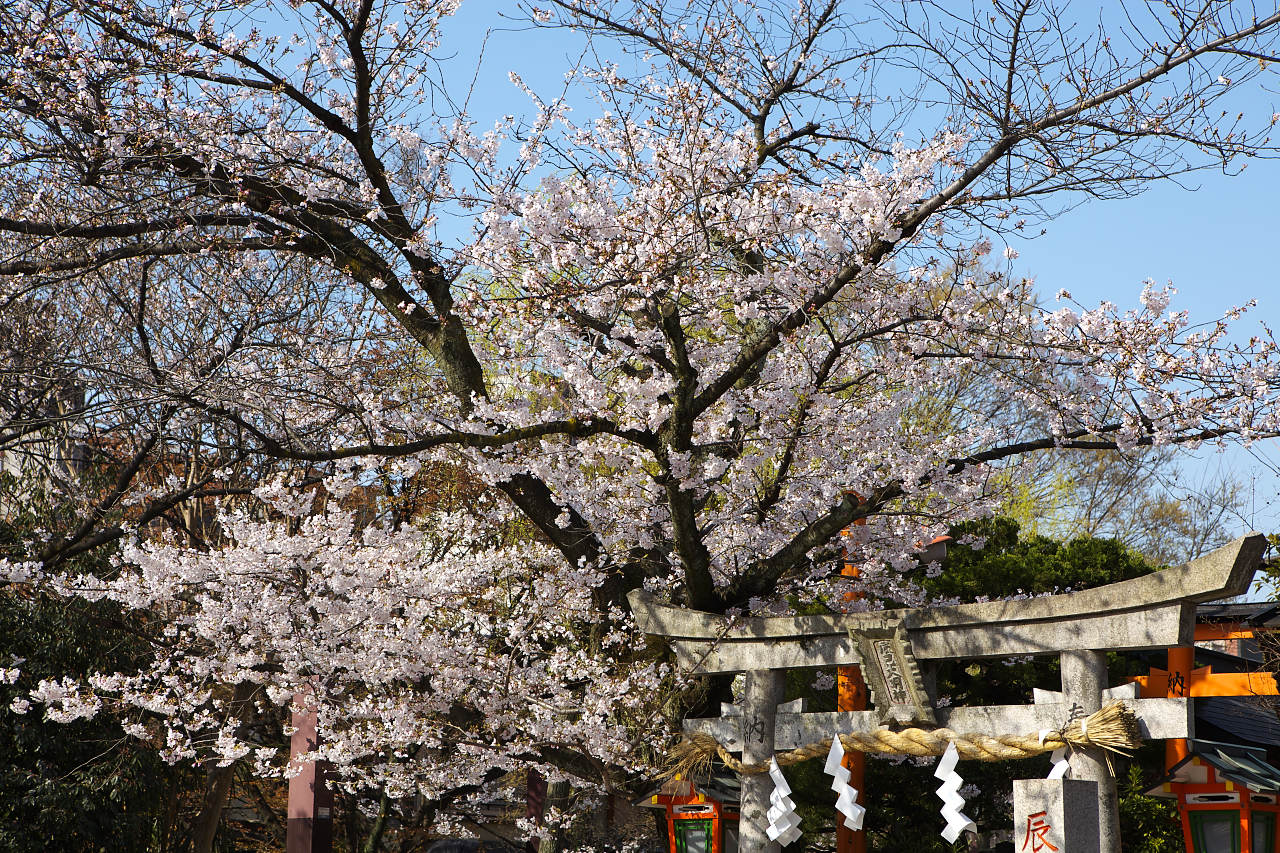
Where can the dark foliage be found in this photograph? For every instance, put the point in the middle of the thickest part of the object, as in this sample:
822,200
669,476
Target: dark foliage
82,786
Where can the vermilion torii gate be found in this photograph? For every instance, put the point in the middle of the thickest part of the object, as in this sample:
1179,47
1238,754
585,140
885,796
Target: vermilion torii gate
1155,611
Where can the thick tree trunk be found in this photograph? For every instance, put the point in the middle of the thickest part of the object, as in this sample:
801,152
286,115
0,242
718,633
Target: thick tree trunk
218,783
373,843
217,787
764,691
557,797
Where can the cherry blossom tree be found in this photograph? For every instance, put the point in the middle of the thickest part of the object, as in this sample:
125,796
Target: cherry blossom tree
682,342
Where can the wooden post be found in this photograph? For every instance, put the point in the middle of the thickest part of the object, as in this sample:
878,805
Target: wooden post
762,694
535,801
1084,677
1182,660
851,695
309,828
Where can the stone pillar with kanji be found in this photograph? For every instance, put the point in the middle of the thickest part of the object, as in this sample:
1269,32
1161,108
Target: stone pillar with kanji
1055,816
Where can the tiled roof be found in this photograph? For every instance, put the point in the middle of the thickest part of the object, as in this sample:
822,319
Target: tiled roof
1250,718
1245,766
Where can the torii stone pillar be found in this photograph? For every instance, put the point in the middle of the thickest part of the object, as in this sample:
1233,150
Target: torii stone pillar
1084,677
763,692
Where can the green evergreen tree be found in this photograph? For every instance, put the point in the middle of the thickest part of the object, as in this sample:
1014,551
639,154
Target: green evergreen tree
82,787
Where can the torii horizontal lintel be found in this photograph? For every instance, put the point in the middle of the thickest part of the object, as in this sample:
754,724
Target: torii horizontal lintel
1152,611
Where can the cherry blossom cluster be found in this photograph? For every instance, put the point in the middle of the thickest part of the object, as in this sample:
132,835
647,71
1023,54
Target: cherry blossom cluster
435,642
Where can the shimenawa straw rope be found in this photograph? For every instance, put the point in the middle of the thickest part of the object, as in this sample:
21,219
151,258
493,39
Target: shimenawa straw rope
1113,728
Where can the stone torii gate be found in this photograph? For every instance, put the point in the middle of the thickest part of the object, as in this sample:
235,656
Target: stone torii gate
1156,611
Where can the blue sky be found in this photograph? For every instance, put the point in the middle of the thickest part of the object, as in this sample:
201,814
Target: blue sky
1217,241
1215,237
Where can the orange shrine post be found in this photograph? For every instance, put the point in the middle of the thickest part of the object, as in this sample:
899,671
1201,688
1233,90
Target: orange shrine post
851,695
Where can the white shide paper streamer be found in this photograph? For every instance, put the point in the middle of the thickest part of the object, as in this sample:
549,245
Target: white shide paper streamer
1058,757
1060,763
846,794
784,823
949,791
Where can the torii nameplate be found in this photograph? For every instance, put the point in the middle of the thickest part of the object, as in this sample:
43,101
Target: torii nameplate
892,676
1149,612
